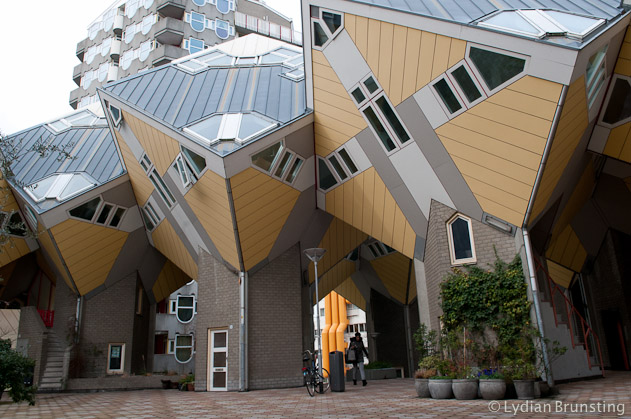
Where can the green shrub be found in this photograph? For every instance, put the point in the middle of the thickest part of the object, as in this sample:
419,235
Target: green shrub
15,369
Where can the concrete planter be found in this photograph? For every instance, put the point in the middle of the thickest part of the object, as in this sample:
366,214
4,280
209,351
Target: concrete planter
422,387
492,389
525,389
440,388
465,389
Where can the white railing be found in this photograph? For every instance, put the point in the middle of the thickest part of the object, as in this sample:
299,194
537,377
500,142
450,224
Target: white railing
265,27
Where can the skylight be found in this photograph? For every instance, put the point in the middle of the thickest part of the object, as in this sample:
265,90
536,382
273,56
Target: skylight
59,186
541,23
83,118
230,130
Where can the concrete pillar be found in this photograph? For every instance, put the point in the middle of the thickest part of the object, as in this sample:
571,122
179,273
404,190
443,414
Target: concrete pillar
422,294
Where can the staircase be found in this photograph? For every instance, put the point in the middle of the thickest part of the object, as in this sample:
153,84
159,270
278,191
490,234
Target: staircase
53,376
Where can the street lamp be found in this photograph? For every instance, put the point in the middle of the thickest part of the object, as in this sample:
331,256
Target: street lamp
315,254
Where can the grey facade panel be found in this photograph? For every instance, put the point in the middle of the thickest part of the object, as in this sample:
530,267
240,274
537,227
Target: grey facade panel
152,88
131,86
141,88
171,94
159,93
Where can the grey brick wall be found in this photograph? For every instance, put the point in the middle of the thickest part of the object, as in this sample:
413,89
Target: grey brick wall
65,311
32,339
107,318
275,324
218,308
438,262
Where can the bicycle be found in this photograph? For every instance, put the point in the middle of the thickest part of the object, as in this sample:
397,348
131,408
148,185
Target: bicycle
314,382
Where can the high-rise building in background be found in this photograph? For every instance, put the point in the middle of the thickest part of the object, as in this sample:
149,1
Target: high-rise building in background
135,35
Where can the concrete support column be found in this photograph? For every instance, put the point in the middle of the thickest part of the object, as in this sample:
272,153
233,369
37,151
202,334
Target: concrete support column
422,293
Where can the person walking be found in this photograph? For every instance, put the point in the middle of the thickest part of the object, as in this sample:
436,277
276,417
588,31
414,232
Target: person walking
358,348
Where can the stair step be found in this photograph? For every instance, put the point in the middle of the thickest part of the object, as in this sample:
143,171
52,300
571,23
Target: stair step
56,372
51,381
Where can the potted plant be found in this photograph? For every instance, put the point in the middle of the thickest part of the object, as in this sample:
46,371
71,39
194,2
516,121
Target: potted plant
461,346
188,383
427,369
440,384
492,384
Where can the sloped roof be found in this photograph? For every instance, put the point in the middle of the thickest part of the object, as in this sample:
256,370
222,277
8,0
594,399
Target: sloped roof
467,11
92,149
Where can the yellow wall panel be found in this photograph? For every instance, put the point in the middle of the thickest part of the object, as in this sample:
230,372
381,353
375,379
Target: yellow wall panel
441,55
410,68
623,65
617,140
170,245
572,124
88,250
334,276
566,249
349,24
47,244
171,279
395,92
373,52
457,51
394,270
349,290
425,59
560,274
208,199
16,247
261,205
361,34
140,183
365,203
582,192
385,55
160,148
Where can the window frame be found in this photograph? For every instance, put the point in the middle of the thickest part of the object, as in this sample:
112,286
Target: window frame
450,239
330,35
606,100
109,357
599,76
486,90
150,212
440,100
467,66
333,172
192,307
176,347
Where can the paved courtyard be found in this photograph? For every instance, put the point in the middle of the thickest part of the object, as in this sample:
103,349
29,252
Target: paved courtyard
380,399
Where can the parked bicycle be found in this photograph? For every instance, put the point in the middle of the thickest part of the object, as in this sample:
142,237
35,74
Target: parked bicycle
314,382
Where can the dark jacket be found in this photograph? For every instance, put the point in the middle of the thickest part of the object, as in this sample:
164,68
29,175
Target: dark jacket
359,348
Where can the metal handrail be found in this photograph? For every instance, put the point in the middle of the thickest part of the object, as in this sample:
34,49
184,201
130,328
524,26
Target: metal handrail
571,310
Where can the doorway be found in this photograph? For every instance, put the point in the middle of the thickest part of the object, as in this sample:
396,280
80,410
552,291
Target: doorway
217,360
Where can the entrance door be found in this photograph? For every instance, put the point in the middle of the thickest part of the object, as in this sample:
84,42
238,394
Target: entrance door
218,360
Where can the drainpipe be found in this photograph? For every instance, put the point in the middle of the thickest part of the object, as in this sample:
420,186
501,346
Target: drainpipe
77,321
527,246
243,332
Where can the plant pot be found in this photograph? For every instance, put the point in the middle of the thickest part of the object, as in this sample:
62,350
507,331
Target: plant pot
190,386
525,389
492,388
465,389
422,389
440,388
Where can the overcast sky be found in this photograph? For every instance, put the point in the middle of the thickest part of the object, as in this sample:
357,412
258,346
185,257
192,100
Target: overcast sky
38,41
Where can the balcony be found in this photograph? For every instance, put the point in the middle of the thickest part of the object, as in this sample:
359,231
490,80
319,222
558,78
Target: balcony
115,50
246,24
74,97
164,54
119,21
172,8
169,31
77,72
81,49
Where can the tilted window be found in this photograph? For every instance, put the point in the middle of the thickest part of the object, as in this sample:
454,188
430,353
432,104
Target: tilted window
494,67
595,74
265,159
460,237
326,179
618,102
325,25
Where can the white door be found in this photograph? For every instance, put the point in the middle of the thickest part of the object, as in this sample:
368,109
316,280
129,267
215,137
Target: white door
218,360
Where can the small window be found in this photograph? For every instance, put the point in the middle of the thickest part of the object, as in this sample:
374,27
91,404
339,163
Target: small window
495,68
195,45
618,108
115,113
171,346
223,29
117,217
185,308
183,348
197,21
346,158
104,214
466,83
16,226
150,216
198,163
161,187
199,3
325,176
358,96
447,95
337,167
393,119
460,235
225,6
172,306
371,85
183,171
319,36
266,158
333,21
145,162
115,358
87,210
379,129
595,74
284,163
295,168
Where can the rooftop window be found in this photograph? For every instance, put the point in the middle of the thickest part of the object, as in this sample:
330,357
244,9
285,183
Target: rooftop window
237,127
59,187
83,118
542,23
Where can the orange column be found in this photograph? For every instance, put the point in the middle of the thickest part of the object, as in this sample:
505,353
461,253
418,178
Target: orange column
325,331
341,328
335,320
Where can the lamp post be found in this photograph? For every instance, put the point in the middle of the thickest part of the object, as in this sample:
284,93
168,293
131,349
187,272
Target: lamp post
315,254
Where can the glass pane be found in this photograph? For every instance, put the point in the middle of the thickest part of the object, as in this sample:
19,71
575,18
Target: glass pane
379,129
16,226
272,58
86,211
223,60
393,119
594,64
185,301
347,160
495,68
338,168
288,52
371,84
461,239
326,178
199,2
219,379
252,124
265,159
294,170
225,147
115,357
77,184
208,128
104,214
319,37
148,222
619,106
116,218
183,354
219,359
197,161
447,95
247,60
40,188
573,23
283,164
332,20
223,6
184,340
358,95
466,84
220,339
512,21
184,314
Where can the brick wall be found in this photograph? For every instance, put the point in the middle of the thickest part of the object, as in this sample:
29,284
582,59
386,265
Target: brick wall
217,308
32,339
65,312
438,262
107,318
275,324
